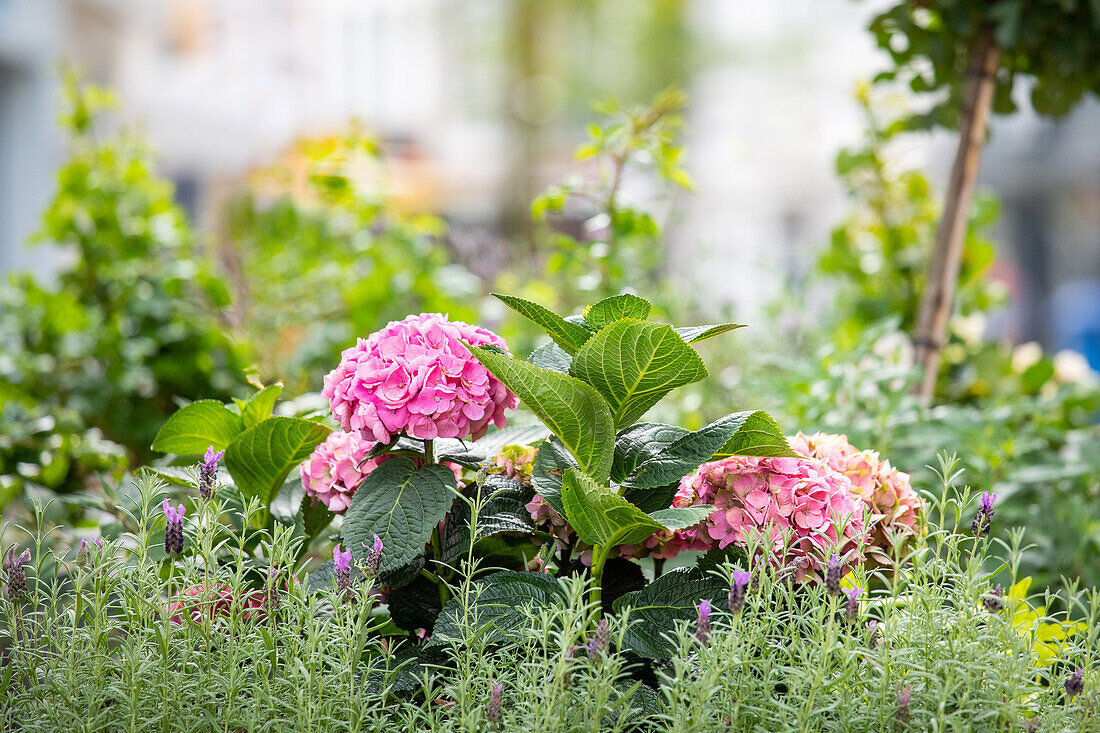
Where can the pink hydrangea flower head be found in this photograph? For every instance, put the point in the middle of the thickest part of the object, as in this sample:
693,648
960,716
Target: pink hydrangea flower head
416,377
336,468
794,506
886,491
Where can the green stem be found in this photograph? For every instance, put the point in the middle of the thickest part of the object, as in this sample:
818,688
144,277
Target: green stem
599,557
429,451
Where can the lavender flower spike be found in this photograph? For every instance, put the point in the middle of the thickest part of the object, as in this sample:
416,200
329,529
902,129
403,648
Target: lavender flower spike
983,520
702,624
15,577
342,565
173,529
1075,683
374,559
741,580
851,605
208,472
905,696
600,642
494,710
832,576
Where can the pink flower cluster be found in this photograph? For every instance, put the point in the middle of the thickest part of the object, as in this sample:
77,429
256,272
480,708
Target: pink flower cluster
416,377
795,505
196,602
336,468
886,491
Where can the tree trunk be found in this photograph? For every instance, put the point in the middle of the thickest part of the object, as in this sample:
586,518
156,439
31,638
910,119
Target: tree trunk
943,272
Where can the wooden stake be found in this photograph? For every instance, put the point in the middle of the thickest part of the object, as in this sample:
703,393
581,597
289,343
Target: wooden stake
943,274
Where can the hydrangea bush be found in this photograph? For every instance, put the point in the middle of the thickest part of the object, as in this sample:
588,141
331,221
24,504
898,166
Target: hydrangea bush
438,548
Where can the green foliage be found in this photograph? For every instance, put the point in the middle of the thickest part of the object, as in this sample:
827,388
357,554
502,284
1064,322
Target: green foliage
93,652
1050,47
323,255
260,449
599,242
879,255
131,325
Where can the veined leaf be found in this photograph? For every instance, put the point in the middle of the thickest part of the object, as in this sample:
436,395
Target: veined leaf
402,505
551,356
633,364
602,517
569,336
695,334
760,436
657,607
496,605
573,410
742,433
195,427
615,308
640,442
676,518
260,406
260,458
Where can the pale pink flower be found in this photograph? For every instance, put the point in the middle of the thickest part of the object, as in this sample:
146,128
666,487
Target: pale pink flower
794,506
886,491
515,462
336,468
416,377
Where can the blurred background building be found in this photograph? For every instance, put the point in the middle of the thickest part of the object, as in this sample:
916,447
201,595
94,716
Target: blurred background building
481,104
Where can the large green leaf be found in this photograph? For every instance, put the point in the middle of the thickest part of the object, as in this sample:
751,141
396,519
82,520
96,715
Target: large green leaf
656,608
260,406
573,410
695,334
633,364
497,604
742,433
615,308
640,442
760,436
402,505
602,517
569,336
260,458
197,426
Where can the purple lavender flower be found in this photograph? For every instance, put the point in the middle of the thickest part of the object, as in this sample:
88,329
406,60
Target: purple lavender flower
342,564
741,579
15,577
374,559
272,596
993,600
983,520
600,642
851,605
905,696
82,553
1075,683
208,472
494,711
702,624
173,529
832,576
